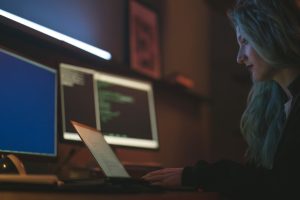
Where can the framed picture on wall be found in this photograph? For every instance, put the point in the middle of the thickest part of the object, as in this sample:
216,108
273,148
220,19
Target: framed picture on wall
144,40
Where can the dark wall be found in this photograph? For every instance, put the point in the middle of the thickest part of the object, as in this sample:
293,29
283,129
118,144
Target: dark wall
183,118
230,87
204,48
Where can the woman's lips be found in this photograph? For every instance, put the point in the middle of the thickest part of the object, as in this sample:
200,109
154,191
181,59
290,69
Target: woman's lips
249,67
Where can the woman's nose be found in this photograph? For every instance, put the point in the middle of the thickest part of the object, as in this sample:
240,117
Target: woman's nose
240,59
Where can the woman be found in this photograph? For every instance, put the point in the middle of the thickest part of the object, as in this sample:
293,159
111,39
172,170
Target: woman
268,34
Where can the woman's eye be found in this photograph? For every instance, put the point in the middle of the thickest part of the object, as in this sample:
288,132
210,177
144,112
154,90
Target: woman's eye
244,41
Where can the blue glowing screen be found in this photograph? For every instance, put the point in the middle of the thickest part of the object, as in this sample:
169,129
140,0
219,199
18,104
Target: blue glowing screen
27,106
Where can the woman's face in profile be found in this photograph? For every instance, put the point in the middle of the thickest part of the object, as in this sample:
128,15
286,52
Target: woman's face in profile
260,70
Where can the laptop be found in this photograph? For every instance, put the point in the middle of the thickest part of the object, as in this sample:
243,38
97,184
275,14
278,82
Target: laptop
116,177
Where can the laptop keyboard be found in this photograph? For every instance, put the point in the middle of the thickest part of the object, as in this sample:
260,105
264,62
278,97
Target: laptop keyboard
110,185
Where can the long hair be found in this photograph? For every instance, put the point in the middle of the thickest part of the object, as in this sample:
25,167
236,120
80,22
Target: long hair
262,122
272,27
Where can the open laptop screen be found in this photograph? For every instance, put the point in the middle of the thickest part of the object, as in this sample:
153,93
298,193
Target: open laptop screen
101,151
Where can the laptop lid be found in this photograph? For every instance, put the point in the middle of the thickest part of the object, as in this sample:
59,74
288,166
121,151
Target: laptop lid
102,152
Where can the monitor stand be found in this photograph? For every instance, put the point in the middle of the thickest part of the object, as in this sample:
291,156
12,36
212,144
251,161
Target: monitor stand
11,164
12,170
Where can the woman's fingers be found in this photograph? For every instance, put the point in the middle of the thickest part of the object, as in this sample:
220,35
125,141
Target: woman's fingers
162,172
169,177
155,176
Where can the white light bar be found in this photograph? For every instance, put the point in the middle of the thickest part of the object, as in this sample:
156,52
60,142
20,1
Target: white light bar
72,136
131,142
122,81
118,141
84,46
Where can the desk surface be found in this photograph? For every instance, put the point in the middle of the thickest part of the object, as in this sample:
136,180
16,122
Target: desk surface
30,195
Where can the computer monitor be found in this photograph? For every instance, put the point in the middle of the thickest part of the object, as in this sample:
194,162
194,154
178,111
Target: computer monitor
121,107
77,99
28,107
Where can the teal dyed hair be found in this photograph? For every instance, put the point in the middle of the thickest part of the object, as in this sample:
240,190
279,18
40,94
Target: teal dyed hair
272,27
262,122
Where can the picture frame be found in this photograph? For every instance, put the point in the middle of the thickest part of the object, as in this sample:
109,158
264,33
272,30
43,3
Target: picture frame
144,40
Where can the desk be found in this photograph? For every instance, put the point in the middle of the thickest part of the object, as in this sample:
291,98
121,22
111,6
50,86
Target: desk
30,195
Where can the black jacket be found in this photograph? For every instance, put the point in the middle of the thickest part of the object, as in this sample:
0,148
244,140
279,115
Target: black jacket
246,181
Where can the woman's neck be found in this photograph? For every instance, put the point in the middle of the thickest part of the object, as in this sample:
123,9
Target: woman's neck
285,77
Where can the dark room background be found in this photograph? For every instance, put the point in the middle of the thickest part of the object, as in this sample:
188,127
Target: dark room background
196,40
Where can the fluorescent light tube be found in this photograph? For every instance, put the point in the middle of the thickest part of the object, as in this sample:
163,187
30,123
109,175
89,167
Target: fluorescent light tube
74,42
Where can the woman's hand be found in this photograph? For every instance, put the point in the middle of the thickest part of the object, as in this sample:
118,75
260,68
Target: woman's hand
168,177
